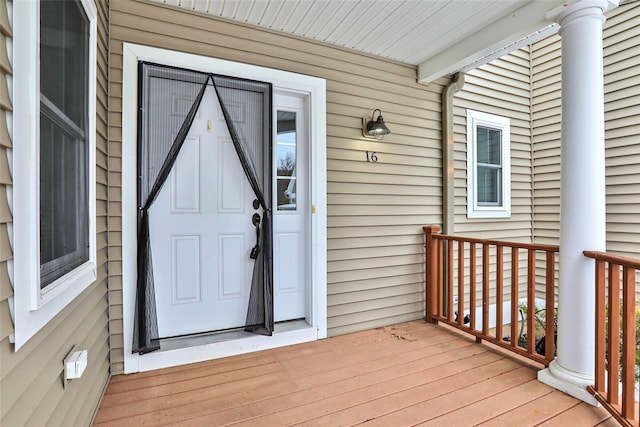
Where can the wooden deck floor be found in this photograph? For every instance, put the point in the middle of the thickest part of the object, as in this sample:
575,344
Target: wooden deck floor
403,375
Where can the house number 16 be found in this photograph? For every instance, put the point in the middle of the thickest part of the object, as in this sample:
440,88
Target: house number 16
372,157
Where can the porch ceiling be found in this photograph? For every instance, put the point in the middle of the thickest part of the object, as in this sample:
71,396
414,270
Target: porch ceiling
439,36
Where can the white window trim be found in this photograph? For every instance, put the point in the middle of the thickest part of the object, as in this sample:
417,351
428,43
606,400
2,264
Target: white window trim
475,118
303,84
33,308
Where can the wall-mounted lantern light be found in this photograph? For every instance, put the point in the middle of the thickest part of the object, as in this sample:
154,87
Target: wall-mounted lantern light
375,127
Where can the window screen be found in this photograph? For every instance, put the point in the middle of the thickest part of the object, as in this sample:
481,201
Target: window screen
64,222
489,163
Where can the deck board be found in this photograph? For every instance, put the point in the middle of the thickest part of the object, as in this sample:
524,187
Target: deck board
407,374
535,411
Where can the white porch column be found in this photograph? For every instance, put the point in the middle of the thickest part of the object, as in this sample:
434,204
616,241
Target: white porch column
582,194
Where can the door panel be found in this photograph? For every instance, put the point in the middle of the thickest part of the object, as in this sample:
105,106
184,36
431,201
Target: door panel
185,279
185,182
289,257
231,274
292,274
231,179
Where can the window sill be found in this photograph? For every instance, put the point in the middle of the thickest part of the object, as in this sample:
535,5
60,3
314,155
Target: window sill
488,213
33,312
79,278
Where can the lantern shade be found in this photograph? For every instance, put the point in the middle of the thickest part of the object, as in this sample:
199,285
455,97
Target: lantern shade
375,128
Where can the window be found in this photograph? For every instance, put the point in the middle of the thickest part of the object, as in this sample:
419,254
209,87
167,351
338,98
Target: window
286,152
53,158
488,166
64,48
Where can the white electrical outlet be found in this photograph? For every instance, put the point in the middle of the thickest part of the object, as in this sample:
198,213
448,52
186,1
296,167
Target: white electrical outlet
75,365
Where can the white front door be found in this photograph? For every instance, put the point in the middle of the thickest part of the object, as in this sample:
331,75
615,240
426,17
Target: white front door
200,229
314,90
290,206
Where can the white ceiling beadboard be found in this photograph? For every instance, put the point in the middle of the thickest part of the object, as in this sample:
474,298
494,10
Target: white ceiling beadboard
440,36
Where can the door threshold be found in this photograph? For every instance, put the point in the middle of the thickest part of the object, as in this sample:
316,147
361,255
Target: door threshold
185,341
194,340
197,348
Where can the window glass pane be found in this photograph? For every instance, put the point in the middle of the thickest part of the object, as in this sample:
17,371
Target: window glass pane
286,156
64,44
489,186
64,241
64,47
489,145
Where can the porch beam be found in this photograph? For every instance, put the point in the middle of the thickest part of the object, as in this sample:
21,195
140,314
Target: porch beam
582,193
521,27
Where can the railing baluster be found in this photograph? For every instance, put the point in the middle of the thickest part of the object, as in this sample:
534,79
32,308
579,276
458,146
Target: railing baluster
450,279
628,341
461,282
499,291
440,276
514,296
613,327
430,271
531,301
485,289
472,286
550,315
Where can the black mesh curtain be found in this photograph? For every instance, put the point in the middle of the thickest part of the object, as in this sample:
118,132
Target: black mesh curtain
169,99
251,138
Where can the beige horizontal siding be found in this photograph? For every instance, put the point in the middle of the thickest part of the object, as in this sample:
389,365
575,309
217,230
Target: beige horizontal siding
622,109
31,391
545,129
6,253
375,211
622,127
501,87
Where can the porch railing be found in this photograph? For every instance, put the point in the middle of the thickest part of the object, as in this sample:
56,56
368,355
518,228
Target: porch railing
616,344
442,268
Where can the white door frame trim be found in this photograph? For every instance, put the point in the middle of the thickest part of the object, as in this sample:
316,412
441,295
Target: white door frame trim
316,89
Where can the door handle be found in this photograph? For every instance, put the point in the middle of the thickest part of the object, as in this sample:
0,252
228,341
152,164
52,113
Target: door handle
255,220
